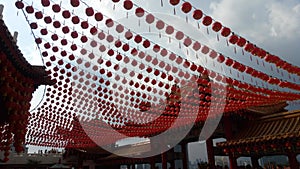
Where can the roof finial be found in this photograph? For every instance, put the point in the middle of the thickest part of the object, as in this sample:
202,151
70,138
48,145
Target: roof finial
1,11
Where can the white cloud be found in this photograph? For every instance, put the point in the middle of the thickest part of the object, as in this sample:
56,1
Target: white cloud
273,25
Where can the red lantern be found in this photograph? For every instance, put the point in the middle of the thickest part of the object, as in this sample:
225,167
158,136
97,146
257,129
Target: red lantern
128,35
56,8
233,39
84,24
75,3
139,12
205,50
109,23
38,15
186,7
225,32
29,9
146,43
196,46
66,14
34,25
98,16
174,2
128,4
83,39
65,29
221,58
19,4
56,24
149,18
48,19
54,37
45,3
179,35
197,14
187,42
241,42
217,26
160,24
207,20
169,29
43,31
75,19
74,34
119,28
89,11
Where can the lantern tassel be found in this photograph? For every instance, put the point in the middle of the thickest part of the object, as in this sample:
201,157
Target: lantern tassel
161,3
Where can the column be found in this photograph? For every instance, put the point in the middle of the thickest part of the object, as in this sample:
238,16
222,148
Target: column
164,162
228,133
152,162
210,153
184,156
293,160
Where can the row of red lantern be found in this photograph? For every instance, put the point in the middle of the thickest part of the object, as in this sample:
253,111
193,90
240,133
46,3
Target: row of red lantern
235,39
273,81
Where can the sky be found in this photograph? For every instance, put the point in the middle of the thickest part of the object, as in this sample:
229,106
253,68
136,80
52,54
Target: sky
271,24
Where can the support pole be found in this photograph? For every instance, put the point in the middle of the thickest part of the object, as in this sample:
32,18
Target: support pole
228,133
210,153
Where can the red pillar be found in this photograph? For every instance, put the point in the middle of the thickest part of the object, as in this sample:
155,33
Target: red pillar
228,133
293,160
184,156
164,162
152,162
210,153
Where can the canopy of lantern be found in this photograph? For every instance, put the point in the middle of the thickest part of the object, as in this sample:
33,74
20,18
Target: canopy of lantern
135,75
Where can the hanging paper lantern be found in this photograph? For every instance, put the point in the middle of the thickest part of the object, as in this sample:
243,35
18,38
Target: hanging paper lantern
128,35
109,23
150,18
43,31
29,9
221,58
139,12
74,34
179,35
38,40
205,49
196,46
207,20
249,47
34,25
75,19
83,39
54,37
225,32
89,11
187,42
186,7
146,43
217,26
65,29
241,42
169,29
48,19
233,39
38,15
45,3
197,14
19,4
174,2
66,14
75,3
119,28
160,24
56,8
213,54
98,16
128,4
56,24
84,24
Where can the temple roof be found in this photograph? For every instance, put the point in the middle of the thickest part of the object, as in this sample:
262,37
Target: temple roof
9,47
280,126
